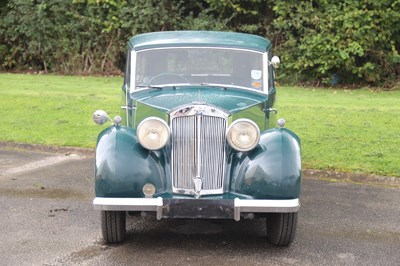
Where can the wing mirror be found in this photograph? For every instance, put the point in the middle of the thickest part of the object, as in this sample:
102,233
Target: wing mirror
275,61
100,117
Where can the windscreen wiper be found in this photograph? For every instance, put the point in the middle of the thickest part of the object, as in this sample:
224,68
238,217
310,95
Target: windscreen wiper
214,85
149,87
224,86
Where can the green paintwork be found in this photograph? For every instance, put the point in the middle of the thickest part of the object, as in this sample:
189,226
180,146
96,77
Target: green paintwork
199,39
123,104
271,117
254,113
271,171
231,100
240,103
123,166
145,111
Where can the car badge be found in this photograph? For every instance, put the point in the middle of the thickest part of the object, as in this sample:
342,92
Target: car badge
198,183
199,110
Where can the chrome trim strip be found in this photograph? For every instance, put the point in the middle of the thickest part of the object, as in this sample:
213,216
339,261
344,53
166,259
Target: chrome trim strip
195,108
195,85
128,107
198,143
129,204
133,70
264,92
200,47
133,86
264,206
156,205
265,73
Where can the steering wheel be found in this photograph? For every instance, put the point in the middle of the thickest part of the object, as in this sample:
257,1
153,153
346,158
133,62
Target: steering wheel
165,78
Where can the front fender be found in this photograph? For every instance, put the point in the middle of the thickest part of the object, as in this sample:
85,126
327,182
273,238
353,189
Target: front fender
123,166
272,170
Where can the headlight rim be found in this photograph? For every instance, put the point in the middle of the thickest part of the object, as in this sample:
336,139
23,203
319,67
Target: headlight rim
159,120
235,147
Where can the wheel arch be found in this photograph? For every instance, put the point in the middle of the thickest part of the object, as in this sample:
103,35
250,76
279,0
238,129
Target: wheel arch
271,170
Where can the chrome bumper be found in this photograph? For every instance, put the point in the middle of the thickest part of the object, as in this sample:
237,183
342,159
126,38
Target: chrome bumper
227,208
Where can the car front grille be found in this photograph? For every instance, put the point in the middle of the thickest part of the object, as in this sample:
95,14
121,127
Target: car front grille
198,152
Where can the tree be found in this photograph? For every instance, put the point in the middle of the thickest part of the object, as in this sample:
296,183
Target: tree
354,41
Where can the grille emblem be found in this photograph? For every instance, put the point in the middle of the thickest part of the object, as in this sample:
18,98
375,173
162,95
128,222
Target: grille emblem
198,182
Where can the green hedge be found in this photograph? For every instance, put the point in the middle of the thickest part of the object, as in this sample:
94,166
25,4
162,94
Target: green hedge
339,41
321,42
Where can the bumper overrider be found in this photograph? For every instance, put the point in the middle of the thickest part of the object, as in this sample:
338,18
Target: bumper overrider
197,208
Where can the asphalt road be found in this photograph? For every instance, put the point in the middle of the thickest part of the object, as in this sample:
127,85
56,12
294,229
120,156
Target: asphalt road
47,219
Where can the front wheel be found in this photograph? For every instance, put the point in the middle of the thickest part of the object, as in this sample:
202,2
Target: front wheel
113,226
281,228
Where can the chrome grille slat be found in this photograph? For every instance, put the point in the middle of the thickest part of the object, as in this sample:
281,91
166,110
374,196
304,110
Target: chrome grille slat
189,134
183,132
212,141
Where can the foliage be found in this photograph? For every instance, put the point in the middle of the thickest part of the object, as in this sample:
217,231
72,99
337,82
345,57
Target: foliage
75,37
251,16
319,41
341,40
56,35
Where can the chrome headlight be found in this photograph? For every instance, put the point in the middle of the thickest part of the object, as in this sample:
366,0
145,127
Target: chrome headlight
153,133
243,135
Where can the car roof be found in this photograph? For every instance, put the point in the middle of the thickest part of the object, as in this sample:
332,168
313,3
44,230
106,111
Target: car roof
199,39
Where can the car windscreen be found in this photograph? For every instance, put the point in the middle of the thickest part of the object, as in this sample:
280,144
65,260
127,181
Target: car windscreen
199,66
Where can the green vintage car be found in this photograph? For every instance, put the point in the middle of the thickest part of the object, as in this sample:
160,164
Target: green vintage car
198,136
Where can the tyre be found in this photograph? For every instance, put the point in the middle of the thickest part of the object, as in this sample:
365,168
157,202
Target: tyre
113,226
281,228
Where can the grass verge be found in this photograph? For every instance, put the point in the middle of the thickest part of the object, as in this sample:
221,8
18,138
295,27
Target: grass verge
55,110
343,130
